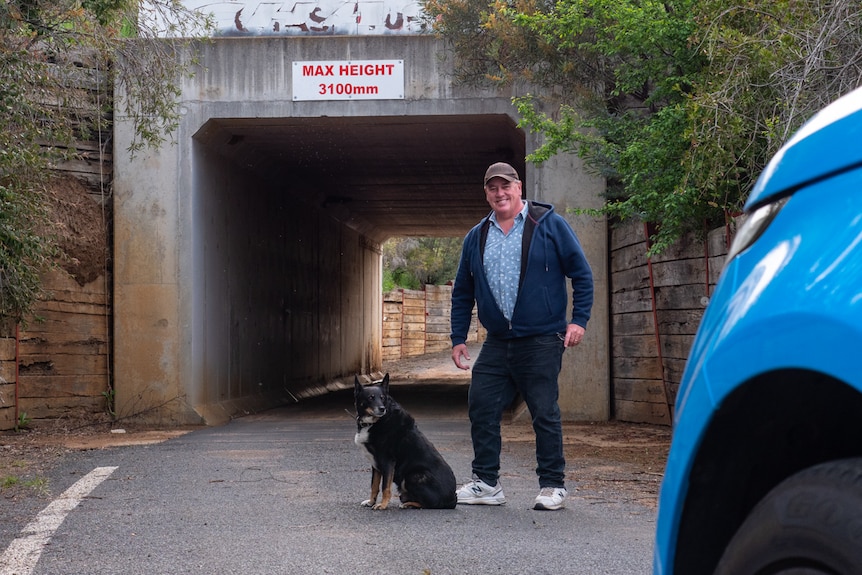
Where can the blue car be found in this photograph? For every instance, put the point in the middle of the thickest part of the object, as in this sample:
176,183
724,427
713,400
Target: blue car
764,474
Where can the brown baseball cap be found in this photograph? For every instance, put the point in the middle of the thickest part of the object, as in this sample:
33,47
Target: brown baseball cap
501,170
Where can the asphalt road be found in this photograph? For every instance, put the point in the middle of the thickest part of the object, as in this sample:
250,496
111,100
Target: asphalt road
279,492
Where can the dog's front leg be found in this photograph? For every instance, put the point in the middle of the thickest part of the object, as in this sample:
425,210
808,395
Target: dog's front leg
375,489
388,476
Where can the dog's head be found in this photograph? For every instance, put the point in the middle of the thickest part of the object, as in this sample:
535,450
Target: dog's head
372,401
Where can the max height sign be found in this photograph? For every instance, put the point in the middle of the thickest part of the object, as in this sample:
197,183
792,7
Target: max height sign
349,80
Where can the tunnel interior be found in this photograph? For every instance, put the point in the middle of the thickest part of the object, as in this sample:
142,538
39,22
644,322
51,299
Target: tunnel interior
382,176
288,218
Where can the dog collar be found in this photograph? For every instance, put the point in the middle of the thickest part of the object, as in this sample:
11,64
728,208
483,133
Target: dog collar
363,424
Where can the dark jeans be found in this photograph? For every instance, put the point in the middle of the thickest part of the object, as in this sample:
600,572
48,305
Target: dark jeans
529,366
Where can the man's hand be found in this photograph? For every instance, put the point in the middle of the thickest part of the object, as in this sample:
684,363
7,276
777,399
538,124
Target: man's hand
458,352
574,335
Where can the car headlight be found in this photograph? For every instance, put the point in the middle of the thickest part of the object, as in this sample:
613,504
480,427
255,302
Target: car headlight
754,226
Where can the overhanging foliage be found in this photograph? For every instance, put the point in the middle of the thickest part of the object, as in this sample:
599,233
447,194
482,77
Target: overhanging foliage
678,104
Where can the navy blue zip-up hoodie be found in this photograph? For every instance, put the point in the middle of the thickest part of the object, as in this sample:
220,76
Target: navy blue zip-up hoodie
550,253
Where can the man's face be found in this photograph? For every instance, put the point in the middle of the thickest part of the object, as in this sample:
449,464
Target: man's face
504,197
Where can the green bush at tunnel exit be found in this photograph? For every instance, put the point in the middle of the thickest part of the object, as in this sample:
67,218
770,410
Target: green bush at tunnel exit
410,263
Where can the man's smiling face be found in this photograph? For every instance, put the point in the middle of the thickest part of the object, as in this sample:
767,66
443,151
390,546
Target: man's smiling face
504,197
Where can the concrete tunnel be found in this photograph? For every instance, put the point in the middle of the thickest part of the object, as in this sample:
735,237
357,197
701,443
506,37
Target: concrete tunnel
247,251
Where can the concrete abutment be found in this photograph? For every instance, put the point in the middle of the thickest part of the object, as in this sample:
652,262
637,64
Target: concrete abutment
247,260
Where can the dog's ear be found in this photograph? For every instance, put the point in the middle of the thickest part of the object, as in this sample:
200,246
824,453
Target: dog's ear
357,387
384,384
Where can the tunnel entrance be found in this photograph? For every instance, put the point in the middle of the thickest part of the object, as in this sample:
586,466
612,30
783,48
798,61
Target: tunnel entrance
291,214
247,260
383,176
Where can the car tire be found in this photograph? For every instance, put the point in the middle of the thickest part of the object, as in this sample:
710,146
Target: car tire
811,523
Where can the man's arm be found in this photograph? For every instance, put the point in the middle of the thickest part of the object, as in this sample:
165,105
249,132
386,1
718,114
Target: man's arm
463,299
577,269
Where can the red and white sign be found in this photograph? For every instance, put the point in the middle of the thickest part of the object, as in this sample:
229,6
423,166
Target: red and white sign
349,80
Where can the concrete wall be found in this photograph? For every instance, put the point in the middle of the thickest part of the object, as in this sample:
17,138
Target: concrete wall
231,295
585,377
284,297
297,17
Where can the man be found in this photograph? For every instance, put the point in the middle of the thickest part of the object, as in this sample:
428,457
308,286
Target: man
514,265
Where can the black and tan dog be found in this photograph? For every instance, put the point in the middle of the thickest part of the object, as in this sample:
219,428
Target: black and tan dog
399,453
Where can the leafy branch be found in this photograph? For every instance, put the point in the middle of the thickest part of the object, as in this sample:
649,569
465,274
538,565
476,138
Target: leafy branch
678,104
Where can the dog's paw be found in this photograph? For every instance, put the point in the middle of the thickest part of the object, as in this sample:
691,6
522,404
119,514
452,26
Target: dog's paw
367,503
411,505
380,506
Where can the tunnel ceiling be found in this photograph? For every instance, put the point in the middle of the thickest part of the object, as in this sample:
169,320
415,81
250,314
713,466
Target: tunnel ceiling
385,175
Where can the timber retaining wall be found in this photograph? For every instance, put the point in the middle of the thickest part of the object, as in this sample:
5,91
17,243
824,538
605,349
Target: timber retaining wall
656,306
416,322
57,366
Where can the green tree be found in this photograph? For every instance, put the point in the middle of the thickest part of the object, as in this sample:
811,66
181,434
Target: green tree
677,103
770,68
53,54
411,263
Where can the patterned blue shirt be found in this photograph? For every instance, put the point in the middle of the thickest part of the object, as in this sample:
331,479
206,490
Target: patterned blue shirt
502,261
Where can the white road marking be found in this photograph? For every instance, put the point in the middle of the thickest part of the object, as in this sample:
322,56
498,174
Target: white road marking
23,553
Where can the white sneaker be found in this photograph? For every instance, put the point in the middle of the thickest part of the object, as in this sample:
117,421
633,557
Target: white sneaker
551,498
477,492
